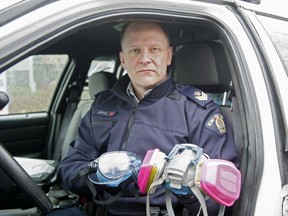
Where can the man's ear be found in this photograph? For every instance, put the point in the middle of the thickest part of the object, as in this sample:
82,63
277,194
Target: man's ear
121,57
122,61
170,55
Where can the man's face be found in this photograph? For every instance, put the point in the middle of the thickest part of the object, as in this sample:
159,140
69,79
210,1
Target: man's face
145,54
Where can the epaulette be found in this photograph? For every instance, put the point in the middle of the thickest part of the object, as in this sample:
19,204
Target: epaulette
198,96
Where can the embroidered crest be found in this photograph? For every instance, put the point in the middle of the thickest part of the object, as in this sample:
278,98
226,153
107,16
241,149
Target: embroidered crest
216,124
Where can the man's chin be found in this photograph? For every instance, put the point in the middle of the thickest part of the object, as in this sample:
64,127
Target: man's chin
148,81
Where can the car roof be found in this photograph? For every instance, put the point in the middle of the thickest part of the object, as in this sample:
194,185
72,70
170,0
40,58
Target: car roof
13,9
91,36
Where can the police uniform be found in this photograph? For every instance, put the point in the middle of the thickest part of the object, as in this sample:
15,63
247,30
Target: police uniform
170,114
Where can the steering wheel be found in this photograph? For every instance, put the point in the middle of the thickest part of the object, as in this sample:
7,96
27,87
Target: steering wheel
10,166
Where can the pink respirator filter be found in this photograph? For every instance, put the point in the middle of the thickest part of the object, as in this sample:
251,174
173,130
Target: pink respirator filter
145,171
150,169
221,181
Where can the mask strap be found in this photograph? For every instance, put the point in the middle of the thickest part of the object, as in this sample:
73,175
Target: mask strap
111,199
196,191
201,199
84,172
169,207
154,184
221,210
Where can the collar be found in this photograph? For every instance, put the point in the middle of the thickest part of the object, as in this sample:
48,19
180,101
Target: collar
160,90
132,95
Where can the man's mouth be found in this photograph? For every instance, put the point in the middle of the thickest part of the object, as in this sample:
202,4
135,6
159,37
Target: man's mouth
146,70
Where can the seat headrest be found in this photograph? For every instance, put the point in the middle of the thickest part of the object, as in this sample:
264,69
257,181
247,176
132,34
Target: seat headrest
100,81
202,64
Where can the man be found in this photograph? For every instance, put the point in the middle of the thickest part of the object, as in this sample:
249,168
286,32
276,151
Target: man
146,110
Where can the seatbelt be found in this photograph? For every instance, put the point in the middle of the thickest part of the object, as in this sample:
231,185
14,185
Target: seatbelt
72,102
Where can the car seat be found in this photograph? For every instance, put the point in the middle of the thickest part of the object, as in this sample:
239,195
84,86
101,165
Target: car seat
204,65
97,82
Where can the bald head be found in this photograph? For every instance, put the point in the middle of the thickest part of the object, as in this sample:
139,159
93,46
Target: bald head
143,25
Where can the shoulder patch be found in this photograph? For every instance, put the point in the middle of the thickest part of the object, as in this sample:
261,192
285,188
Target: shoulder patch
195,94
216,124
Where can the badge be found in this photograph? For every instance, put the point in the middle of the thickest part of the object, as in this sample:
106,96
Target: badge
201,96
216,124
106,113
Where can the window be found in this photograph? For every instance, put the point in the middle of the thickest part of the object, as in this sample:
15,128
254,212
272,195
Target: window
106,64
31,83
278,32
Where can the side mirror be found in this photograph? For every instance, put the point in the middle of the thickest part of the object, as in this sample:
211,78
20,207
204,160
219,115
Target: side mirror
4,99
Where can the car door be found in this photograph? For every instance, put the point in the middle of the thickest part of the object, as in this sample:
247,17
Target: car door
271,30
31,85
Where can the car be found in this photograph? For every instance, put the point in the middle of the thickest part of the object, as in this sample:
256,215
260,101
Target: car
235,51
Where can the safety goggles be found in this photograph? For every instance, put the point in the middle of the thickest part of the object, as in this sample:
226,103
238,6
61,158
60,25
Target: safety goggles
112,168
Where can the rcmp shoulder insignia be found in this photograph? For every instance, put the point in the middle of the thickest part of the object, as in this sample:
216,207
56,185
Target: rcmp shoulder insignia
198,96
216,124
201,96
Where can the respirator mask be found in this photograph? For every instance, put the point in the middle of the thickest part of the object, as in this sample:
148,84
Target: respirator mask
188,171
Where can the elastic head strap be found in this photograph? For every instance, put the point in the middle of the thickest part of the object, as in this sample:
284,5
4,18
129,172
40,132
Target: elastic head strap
111,199
154,184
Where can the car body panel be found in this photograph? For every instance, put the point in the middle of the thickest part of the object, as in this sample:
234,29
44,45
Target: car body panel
280,80
31,133
239,26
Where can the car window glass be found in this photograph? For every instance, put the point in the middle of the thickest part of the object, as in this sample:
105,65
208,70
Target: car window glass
102,64
278,32
106,64
31,83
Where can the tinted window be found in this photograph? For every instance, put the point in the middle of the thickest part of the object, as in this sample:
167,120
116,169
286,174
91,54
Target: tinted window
31,83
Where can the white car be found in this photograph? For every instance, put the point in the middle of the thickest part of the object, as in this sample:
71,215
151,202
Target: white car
238,53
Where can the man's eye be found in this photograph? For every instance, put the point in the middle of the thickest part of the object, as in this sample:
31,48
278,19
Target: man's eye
155,49
134,51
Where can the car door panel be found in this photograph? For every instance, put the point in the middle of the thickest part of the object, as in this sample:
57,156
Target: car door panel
24,135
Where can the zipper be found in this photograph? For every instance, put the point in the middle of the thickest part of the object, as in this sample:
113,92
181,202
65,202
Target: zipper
128,129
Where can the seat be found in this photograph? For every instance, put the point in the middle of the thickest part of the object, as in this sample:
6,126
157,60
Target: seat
205,66
97,82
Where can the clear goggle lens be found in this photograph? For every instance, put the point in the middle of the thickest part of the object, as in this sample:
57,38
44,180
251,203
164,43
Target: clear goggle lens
115,167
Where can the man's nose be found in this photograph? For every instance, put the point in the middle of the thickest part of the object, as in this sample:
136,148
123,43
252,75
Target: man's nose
144,58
